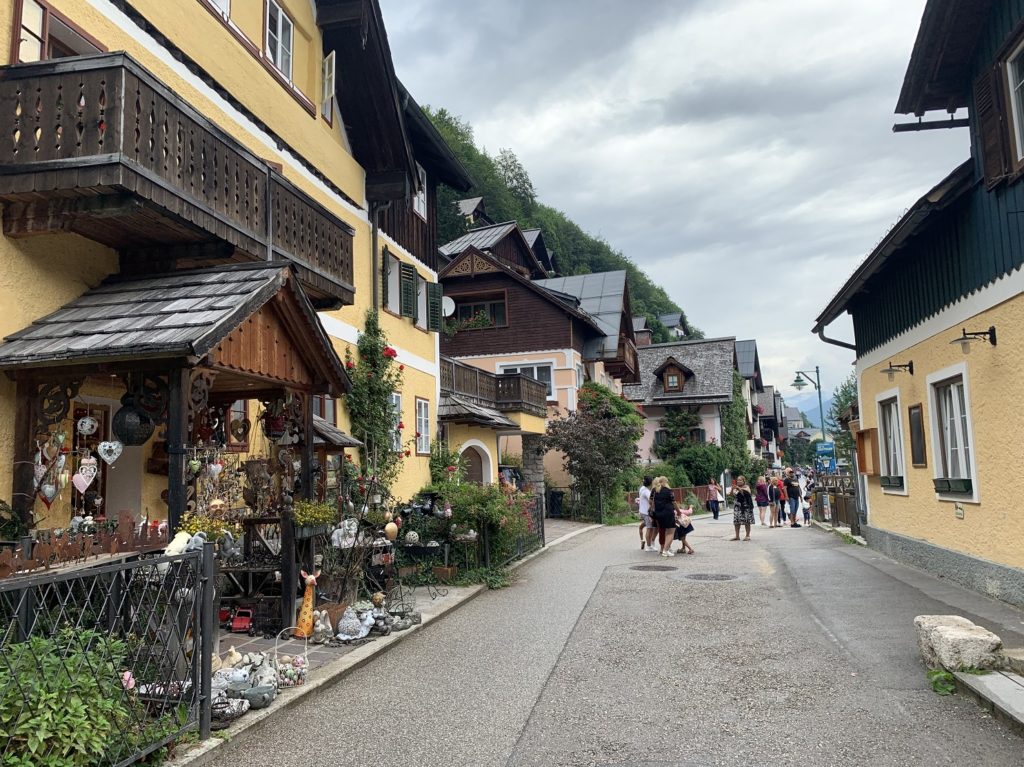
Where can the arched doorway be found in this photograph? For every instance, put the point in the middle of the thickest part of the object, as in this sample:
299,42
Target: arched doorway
474,465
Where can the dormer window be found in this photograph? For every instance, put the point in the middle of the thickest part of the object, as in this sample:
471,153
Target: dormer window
673,381
673,375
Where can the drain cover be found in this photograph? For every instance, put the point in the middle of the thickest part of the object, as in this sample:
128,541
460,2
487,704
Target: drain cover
710,577
654,568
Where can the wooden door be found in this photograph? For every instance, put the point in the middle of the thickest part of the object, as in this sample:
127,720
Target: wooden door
474,465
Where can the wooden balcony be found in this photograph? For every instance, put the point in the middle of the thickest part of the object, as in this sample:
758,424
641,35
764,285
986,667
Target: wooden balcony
513,392
625,366
96,145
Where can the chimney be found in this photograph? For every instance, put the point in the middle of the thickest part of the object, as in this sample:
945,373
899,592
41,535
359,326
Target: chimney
643,337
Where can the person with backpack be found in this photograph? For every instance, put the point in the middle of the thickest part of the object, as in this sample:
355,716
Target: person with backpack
794,496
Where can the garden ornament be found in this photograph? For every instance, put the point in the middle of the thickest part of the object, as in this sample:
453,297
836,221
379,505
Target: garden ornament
87,425
391,531
110,451
48,492
196,542
321,627
412,538
240,429
350,627
304,629
230,551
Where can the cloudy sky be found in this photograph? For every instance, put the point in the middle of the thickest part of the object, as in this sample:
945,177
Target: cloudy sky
740,151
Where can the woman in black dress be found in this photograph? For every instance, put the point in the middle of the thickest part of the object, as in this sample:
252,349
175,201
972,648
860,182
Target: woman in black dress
742,509
664,514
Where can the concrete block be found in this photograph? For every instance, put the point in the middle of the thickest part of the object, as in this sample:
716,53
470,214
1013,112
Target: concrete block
925,625
958,647
1013,659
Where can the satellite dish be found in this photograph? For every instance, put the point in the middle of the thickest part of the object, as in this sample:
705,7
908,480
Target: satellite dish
447,306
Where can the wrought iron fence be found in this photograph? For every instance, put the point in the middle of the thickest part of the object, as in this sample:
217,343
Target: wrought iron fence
102,665
570,503
497,551
836,503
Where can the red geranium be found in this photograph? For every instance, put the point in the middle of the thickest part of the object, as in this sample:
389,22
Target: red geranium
349,364
401,425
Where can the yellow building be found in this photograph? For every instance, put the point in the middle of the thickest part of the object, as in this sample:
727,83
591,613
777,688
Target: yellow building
152,137
937,309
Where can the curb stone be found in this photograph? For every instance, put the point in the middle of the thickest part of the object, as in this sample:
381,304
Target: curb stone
842,531
205,752
999,693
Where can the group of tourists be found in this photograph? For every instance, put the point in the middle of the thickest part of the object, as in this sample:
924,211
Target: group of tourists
782,498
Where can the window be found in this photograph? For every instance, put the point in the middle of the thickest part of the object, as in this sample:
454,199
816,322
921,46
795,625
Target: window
224,6
419,198
488,313
673,380
420,318
280,32
540,373
393,291
1015,72
581,377
396,420
953,432
328,94
326,408
660,437
422,427
891,441
46,35
236,425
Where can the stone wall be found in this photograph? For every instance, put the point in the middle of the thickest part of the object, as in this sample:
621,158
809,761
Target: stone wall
989,578
533,464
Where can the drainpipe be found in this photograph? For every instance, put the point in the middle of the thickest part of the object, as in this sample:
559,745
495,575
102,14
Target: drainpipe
833,341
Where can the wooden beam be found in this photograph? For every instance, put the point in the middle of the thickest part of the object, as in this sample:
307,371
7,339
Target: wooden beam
25,219
179,385
339,12
23,495
165,257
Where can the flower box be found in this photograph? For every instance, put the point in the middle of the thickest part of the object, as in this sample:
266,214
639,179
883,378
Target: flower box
894,483
953,485
305,532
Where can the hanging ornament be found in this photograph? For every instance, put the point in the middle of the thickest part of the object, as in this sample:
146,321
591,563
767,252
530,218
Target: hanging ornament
240,429
87,425
47,492
110,451
130,424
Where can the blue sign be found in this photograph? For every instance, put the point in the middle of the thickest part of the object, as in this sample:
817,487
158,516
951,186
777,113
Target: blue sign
826,449
826,465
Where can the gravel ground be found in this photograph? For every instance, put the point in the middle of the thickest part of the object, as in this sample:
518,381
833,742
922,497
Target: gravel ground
807,657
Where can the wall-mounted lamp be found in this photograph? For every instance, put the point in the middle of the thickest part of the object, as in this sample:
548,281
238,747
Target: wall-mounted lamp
967,339
892,370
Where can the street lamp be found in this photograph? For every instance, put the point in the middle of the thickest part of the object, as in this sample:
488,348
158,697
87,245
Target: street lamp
799,383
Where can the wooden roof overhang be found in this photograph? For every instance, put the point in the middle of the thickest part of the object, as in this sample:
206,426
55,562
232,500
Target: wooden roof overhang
261,338
367,93
939,73
102,148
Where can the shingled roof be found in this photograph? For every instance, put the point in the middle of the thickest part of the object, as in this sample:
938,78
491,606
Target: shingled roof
455,409
178,315
482,238
711,361
603,297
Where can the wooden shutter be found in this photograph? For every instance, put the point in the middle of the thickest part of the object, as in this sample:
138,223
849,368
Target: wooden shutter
992,125
407,290
434,295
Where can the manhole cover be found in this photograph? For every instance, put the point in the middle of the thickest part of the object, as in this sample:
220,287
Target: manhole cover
710,577
654,568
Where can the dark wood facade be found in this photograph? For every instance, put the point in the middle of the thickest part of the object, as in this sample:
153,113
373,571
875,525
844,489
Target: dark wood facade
98,146
512,392
410,230
533,321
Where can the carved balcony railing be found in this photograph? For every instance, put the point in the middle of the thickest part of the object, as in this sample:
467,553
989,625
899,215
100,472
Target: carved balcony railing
98,146
508,393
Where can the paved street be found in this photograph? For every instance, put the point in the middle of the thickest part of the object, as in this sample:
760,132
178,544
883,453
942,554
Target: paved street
806,657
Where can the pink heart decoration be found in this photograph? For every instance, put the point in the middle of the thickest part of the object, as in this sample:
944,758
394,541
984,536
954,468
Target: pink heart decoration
81,482
88,468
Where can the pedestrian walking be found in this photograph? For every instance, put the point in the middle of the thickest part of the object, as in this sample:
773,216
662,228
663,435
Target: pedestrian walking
783,500
715,498
643,500
742,508
761,497
774,496
793,496
664,514
684,526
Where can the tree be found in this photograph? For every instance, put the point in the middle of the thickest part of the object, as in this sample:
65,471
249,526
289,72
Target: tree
516,178
678,424
807,420
734,431
598,441
843,398
799,452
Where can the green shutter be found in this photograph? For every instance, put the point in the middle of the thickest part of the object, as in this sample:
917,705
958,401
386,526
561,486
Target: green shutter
385,271
407,290
434,295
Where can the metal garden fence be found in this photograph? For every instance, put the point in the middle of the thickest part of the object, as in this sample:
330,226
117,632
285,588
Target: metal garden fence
104,664
494,554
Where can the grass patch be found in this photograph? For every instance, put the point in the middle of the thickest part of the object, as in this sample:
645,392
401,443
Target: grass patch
942,681
491,577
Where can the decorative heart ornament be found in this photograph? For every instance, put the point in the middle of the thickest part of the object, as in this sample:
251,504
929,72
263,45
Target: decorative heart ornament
110,451
81,482
47,492
88,467
195,465
240,429
87,425
39,470
214,469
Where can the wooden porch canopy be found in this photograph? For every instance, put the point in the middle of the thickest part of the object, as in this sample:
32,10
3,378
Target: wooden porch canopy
182,342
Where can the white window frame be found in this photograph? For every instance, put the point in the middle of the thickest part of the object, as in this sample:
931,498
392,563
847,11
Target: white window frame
517,367
223,7
394,286
419,197
423,426
274,52
327,86
1016,100
887,443
935,381
421,302
396,418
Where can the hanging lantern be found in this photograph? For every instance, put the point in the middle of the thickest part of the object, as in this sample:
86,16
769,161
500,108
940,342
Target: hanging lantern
130,424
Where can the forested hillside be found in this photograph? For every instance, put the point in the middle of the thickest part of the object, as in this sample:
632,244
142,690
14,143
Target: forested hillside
509,195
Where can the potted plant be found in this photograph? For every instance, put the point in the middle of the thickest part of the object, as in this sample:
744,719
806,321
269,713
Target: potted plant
312,518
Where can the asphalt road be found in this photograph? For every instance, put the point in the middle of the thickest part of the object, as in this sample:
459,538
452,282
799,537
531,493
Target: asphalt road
807,656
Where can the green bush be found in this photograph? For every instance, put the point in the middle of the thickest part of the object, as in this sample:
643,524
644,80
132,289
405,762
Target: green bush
79,711
312,514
